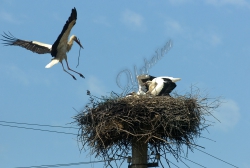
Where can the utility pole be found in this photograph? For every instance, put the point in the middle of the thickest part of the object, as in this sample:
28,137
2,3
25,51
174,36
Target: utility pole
139,153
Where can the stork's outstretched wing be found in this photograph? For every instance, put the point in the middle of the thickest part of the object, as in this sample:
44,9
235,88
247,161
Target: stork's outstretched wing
34,46
62,39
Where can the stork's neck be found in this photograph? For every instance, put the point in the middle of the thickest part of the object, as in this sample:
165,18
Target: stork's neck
70,43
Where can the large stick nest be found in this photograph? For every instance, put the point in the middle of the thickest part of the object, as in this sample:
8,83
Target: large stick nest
109,124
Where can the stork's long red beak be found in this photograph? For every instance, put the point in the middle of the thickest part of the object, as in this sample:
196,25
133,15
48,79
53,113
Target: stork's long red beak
78,42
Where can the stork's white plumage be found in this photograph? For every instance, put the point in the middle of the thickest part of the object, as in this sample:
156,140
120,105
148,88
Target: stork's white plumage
142,79
142,87
161,86
58,50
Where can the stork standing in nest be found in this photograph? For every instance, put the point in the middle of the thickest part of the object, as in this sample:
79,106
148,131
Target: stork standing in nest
58,50
142,87
161,86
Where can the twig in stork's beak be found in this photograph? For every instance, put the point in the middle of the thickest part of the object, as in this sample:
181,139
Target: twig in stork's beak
78,42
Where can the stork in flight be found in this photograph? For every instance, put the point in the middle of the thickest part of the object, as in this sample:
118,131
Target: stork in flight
161,86
58,50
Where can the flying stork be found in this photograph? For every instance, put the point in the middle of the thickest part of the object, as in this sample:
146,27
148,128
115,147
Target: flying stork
161,86
58,50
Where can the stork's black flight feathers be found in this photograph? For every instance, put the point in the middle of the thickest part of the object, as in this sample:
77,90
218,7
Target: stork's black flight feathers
167,88
72,19
33,46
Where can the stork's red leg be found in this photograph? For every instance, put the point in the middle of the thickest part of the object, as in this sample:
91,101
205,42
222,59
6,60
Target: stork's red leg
68,72
73,70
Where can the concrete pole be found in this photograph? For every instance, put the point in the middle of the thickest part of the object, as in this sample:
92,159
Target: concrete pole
139,153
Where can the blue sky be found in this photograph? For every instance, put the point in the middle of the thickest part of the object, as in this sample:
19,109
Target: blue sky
211,48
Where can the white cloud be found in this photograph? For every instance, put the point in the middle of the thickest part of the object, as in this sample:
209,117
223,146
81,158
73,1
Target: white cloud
8,2
208,38
205,38
228,114
215,40
102,20
8,17
16,73
199,37
3,152
95,86
213,2
23,77
228,2
173,27
246,165
179,2
133,20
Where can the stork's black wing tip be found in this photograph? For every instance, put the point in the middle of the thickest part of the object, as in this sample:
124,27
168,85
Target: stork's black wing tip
5,35
74,9
73,13
9,39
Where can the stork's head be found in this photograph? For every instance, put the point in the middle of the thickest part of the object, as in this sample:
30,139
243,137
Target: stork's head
77,40
151,85
148,83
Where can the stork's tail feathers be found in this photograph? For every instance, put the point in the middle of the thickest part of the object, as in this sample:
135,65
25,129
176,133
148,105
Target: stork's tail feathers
52,63
175,79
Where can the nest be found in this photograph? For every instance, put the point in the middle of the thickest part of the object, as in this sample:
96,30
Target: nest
108,125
